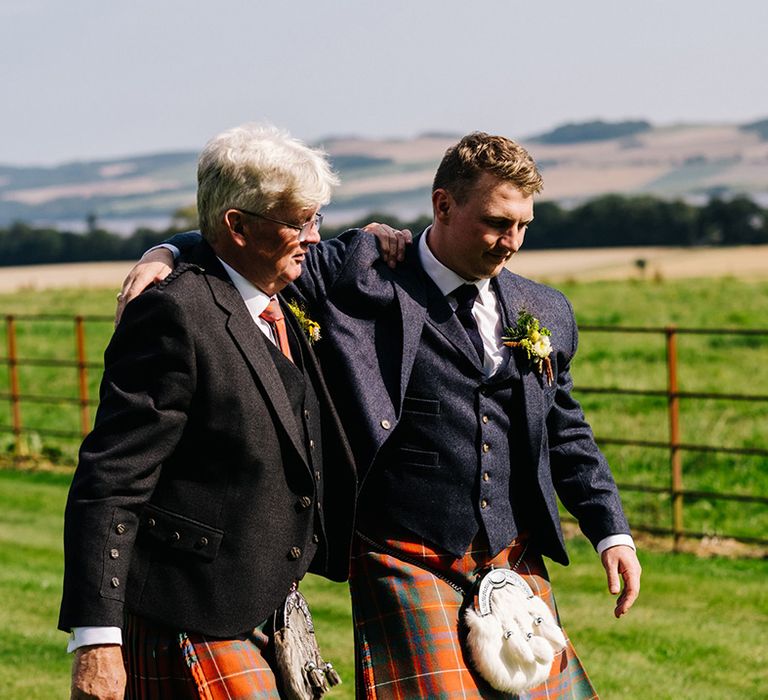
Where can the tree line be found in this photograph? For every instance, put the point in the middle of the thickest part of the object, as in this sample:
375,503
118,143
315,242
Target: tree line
607,221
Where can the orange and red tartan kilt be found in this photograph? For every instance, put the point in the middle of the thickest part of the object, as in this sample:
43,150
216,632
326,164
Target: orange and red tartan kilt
408,640
163,664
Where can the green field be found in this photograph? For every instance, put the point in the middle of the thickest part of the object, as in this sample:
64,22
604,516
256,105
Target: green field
708,363
696,632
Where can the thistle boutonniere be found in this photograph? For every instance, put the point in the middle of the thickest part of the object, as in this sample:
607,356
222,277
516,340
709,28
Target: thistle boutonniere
529,334
310,327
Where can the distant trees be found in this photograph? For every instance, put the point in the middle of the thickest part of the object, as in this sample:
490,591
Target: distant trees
609,221
593,131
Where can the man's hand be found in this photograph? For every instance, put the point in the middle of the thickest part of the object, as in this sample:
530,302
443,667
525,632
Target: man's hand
98,673
153,267
391,241
621,562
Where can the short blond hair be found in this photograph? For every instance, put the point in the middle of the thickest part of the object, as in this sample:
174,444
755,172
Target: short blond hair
259,167
479,153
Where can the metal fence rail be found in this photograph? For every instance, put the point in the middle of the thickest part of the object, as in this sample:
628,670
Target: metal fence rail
678,494
674,445
81,365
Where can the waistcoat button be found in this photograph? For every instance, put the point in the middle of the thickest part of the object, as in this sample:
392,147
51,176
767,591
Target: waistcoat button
294,553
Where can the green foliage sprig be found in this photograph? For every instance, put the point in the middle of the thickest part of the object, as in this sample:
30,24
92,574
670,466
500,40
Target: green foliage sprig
310,327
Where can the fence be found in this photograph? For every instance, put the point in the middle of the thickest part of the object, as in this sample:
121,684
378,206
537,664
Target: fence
674,396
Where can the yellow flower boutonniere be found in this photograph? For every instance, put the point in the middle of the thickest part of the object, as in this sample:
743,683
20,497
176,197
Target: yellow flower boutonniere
310,327
530,335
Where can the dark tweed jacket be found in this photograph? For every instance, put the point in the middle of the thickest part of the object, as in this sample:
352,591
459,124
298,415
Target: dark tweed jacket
189,500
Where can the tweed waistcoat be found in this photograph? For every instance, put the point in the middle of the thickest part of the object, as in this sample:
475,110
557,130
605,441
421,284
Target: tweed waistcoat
455,455
306,409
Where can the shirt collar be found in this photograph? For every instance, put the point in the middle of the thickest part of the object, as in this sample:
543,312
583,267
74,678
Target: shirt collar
445,279
255,300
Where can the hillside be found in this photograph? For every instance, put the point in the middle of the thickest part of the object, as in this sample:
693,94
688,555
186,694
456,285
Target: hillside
578,161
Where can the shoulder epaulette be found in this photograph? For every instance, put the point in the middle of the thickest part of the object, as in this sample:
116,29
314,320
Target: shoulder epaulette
177,271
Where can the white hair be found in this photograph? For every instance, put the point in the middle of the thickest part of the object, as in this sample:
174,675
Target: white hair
259,167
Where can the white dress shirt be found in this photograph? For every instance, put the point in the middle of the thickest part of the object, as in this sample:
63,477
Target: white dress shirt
489,323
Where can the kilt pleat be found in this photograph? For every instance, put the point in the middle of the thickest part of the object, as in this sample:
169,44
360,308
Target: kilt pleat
163,664
408,638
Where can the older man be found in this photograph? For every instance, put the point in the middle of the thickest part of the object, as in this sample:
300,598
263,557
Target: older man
464,442
217,473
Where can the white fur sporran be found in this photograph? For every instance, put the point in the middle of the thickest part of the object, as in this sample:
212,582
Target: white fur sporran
512,635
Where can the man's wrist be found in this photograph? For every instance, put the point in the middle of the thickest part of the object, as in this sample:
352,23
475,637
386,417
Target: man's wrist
92,636
613,541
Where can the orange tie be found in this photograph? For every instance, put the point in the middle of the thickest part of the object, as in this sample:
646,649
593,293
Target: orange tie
273,314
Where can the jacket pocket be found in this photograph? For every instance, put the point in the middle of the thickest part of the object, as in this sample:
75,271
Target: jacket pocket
180,533
408,457
412,404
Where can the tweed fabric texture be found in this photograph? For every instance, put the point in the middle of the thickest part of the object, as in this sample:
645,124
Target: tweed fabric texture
409,643
163,664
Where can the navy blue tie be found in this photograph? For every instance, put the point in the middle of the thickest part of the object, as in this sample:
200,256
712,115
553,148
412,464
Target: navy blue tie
466,295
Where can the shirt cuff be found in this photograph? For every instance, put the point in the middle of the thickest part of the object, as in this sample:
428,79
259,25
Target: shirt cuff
89,636
168,246
613,540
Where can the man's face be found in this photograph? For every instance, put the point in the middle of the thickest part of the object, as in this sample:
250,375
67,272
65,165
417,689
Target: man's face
477,238
273,253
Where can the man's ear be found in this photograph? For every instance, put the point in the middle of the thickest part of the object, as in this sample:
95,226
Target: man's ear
235,226
442,203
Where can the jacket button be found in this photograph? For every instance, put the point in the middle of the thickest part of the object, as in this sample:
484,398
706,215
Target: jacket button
386,424
151,522
114,553
115,582
485,419
175,537
483,504
486,476
305,502
311,444
486,447
295,553
120,528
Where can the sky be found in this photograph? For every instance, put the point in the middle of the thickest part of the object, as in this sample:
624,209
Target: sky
92,79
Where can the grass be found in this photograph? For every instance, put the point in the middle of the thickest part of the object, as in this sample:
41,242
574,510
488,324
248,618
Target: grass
707,363
696,632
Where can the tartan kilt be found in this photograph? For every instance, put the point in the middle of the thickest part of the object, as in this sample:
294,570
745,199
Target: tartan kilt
163,664
408,639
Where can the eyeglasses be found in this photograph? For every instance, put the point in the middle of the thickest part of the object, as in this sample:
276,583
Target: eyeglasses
303,229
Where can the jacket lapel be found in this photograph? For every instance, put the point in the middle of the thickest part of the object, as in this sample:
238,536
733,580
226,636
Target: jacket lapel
411,292
512,299
434,307
252,343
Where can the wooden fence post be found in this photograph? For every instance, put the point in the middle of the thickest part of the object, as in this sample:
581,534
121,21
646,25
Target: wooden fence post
82,373
15,398
675,455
